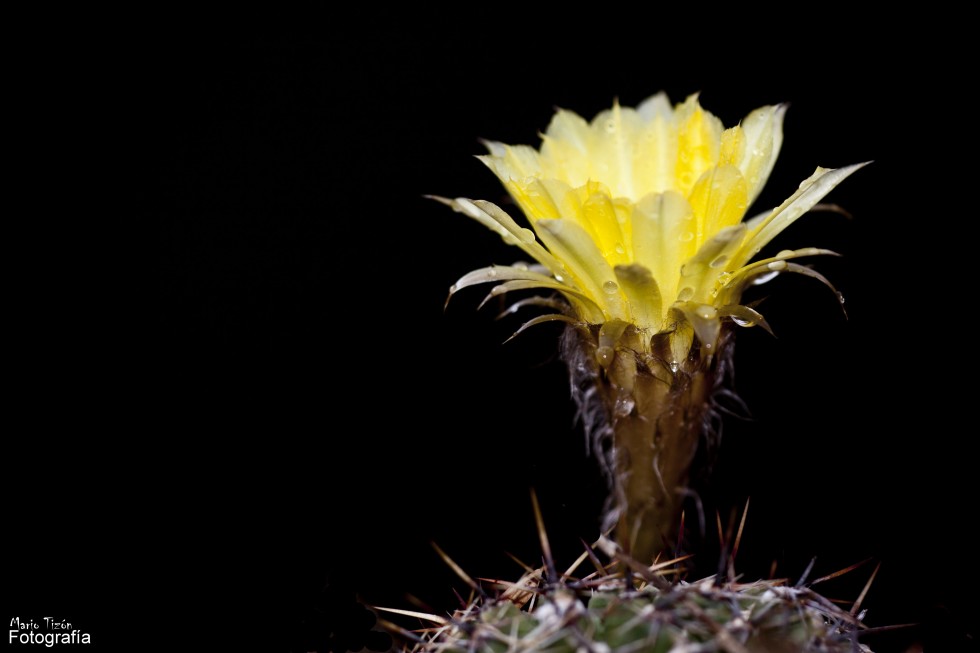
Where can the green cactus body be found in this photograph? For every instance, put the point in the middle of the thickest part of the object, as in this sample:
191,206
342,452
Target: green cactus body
704,617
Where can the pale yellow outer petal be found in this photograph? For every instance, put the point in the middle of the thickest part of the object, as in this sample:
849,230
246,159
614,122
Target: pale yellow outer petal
656,165
764,228
763,138
566,145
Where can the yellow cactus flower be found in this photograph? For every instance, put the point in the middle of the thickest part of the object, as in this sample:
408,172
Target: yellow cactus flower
637,215
637,220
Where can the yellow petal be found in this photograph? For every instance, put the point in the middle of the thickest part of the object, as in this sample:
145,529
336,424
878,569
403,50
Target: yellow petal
701,273
642,294
703,318
583,304
617,136
571,244
811,191
566,145
541,319
698,143
511,161
719,199
763,137
745,316
663,237
657,159
499,221
497,273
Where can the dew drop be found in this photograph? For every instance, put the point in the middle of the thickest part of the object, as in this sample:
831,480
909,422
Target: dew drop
674,367
527,235
742,321
724,278
763,278
492,273
719,261
624,406
559,278
784,253
777,265
686,237
685,294
620,249
610,287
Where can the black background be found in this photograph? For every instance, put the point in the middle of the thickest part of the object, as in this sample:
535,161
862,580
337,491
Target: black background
304,417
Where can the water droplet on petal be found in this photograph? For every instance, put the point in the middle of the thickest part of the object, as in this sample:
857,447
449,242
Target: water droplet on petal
620,249
610,287
763,278
777,265
784,253
724,278
719,261
492,273
674,367
686,237
559,278
685,294
527,235
742,321
624,406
